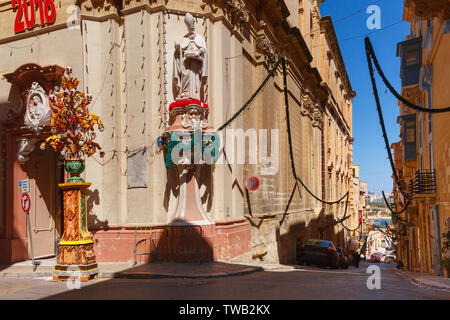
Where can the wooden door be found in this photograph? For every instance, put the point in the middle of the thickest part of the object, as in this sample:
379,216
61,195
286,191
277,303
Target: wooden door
41,170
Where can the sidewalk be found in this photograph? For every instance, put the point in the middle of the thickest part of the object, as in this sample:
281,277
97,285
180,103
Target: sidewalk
157,270
428,280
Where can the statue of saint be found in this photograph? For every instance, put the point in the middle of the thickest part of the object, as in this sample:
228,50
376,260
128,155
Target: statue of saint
190,64
37,109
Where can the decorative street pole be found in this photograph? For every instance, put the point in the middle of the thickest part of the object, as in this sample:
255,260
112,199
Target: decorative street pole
73,137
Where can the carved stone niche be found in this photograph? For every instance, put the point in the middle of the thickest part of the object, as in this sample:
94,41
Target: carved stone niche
32,85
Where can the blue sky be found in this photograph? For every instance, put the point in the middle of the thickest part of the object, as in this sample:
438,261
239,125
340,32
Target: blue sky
368,148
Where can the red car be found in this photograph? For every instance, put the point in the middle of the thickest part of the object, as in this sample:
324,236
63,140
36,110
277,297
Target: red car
375,257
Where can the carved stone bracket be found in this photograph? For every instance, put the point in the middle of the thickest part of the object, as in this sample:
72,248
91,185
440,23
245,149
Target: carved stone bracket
268,49
306,109
317,117
25,146
99,7
192,117
211,4
237,12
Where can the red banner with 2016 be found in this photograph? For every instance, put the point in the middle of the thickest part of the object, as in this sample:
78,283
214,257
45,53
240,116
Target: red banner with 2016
29,12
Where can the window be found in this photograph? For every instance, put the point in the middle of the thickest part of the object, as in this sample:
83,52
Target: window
410,136
446,28
412,58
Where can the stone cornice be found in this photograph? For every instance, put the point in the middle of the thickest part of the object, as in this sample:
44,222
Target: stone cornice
426,9
99,8
326,24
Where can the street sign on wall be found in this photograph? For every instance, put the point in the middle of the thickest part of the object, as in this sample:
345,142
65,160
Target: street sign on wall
252,183
26,202
24,186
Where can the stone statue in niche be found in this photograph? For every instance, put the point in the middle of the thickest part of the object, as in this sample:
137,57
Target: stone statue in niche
190,64
38,112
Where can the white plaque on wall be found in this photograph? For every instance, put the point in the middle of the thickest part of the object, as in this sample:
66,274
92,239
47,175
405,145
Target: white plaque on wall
137,169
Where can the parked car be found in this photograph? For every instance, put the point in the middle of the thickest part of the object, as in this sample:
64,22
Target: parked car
343,259
388,259
318,252
375,257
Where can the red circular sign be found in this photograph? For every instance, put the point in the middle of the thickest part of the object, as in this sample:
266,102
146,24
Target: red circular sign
252,183
26,202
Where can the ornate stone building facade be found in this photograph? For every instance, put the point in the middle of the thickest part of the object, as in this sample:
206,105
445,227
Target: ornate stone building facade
123,52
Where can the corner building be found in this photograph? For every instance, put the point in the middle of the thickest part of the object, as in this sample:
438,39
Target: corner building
122,52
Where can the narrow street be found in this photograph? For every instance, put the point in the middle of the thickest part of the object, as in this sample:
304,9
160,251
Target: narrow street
297,284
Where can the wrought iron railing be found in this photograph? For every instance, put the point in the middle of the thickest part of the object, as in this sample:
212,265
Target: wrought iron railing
424,182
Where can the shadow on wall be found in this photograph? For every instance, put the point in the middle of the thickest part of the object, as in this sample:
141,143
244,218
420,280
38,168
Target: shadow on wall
271,227
13,250
204,182
319,228
93,197
175,243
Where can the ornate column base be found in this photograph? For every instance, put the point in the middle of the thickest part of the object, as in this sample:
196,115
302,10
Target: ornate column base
76,257
76,260
80,272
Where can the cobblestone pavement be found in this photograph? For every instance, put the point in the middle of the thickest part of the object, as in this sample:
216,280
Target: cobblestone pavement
292,283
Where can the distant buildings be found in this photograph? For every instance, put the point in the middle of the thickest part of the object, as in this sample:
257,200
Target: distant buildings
358,205
378,198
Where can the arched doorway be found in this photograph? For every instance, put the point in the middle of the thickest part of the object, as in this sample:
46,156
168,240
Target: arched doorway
22,130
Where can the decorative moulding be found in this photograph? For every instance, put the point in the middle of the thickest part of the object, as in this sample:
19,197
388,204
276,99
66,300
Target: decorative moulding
23,77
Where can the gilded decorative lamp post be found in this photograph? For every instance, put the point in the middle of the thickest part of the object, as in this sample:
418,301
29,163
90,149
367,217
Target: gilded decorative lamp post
73,137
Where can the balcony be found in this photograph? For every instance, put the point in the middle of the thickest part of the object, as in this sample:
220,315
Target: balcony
424,183
410,53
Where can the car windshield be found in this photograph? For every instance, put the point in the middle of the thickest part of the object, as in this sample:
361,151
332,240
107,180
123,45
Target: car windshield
318,242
